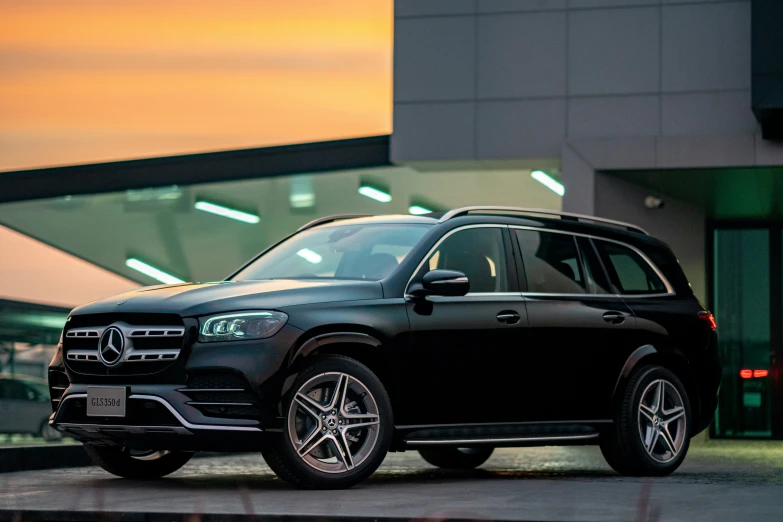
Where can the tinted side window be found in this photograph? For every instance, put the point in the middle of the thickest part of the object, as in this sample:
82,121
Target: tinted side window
478,253
630,273
551,262
594,272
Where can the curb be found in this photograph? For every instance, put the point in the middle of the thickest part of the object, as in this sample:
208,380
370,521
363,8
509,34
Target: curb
26,458
109,516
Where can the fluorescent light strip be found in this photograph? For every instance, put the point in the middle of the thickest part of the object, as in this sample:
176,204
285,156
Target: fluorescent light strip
374,193
549,182
309,255
151,271
230,213
418,210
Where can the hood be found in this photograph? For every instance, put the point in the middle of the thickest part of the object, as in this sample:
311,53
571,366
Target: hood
193,299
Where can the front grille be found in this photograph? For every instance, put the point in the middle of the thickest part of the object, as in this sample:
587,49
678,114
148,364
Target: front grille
152,343
222,394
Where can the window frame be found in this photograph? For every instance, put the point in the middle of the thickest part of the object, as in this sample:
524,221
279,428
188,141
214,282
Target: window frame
656,271
511,262
591,238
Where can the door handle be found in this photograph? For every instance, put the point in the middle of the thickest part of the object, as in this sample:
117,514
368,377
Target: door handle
614,317
508,317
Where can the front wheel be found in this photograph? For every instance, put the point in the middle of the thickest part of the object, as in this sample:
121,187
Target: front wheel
135,464
338,427
650,435
456,458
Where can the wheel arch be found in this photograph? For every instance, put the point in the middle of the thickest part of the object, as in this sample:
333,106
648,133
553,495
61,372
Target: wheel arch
364,346
668,357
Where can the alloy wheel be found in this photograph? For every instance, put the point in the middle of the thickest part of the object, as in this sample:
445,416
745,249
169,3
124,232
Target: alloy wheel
333,422
662,421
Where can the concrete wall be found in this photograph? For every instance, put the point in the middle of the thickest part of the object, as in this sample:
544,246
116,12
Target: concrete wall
600,85
499,79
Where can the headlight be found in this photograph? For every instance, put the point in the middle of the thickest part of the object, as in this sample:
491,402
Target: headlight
241,325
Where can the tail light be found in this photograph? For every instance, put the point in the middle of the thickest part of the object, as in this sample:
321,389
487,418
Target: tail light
708,318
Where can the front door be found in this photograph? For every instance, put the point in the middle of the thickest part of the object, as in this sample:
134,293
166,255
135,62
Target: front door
580,333
463,364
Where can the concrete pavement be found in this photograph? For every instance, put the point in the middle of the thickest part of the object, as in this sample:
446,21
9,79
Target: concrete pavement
720,480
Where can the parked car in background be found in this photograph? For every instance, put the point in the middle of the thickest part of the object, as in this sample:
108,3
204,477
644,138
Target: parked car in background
25,408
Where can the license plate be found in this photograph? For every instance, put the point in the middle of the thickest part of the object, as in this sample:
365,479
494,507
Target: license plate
106,402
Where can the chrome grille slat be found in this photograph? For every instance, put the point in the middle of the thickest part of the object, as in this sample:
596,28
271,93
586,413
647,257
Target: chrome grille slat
156,332
211,390
198,403
83,355
82,333
133,334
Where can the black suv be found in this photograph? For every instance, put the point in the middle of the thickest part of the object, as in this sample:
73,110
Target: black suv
451,334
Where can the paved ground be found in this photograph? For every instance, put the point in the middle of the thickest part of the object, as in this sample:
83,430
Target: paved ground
720,480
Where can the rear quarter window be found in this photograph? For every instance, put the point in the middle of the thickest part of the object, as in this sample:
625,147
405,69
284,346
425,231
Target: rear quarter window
630,273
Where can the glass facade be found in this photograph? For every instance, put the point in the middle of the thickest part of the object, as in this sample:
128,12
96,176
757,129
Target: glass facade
741,304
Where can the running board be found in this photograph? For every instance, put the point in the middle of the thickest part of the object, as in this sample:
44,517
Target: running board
507,441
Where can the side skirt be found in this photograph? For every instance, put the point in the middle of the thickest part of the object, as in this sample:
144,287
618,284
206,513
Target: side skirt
500,435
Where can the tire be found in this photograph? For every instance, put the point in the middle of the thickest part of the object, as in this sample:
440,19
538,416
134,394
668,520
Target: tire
123,463
317,426
649,438
456,458
49,434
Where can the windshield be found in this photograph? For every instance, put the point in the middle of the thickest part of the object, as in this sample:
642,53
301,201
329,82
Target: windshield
367,252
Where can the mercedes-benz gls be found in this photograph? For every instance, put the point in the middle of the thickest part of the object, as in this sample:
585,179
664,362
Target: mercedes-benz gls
451,334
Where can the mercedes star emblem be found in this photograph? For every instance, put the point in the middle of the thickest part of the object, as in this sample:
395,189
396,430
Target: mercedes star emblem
111,346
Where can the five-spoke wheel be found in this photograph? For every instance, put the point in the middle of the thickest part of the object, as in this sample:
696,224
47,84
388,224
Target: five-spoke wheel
650,434
661,421
338,426
333,422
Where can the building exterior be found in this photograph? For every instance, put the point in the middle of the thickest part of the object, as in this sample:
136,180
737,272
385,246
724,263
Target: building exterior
675,99
664,113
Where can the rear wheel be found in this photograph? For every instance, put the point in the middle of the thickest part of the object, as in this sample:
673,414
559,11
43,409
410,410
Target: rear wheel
137,464
338,429
456,458
650,435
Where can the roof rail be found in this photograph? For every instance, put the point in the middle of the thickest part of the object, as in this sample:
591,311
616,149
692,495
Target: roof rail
329,219
563,215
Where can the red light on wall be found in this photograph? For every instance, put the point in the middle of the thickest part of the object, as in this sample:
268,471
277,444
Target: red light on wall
760,373
746,374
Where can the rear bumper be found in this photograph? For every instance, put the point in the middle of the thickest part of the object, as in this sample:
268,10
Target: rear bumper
708,380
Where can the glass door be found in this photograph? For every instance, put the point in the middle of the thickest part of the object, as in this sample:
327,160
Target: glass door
746,298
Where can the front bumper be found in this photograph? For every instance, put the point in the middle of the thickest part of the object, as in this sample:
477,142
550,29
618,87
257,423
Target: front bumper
215,397
157,417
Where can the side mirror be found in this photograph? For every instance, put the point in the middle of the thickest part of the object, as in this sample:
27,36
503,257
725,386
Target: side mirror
449,283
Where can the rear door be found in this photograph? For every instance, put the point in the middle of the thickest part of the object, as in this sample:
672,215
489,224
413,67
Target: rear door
579,330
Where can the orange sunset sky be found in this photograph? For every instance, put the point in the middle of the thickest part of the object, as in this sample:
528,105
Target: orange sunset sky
95,80
85,81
